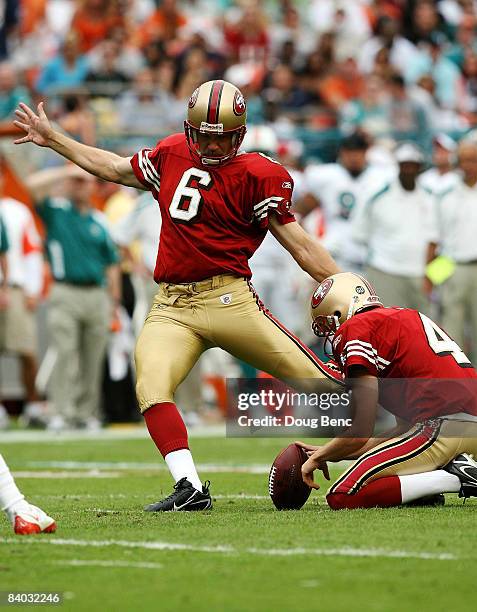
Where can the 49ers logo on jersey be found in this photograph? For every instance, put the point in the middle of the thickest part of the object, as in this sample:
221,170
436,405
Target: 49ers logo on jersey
193,98
239,104
321,292
284,207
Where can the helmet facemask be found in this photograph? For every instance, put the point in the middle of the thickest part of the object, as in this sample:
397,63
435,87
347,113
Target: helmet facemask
192,135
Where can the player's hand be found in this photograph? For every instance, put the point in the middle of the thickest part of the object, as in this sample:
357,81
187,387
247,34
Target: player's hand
312,464
37,127
308,448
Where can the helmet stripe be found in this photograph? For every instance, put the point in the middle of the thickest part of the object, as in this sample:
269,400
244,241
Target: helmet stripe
214,101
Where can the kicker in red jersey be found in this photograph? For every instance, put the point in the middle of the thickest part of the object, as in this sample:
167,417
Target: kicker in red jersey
213,219
428,374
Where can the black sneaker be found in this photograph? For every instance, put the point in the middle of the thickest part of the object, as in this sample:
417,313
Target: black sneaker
465,468
428,501
184,499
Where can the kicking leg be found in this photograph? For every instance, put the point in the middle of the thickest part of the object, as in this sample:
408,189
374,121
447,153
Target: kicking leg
251,333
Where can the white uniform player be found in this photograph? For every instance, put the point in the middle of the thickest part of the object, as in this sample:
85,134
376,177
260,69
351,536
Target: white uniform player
394,225
442,176
454,229
18,325
142,225
341,188
271,261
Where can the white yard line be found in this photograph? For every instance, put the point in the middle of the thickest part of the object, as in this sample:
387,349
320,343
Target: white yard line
213,468
100,563
272,552
68,474
112,496
128,432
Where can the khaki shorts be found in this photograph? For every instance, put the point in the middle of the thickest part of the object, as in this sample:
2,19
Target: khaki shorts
17,326
426,447
223,311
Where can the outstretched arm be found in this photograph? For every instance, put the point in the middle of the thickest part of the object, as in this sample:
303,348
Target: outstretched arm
104,164
305,250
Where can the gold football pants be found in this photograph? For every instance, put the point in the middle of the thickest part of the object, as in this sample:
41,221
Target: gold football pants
222,311
425,448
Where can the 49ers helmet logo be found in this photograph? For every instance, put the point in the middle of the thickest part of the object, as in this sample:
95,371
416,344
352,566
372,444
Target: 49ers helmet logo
193,98
239,104
321,292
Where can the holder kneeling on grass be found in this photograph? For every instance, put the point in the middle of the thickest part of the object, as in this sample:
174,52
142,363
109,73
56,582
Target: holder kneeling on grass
430,388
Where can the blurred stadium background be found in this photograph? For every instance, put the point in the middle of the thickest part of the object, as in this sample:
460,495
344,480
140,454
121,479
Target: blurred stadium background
315,73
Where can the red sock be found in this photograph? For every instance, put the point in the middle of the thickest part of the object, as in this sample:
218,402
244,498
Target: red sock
381,493
166,427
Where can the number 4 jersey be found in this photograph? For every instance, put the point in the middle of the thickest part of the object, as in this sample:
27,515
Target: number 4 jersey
213,218
427,374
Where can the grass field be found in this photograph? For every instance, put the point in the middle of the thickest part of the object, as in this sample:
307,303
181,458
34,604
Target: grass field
243,555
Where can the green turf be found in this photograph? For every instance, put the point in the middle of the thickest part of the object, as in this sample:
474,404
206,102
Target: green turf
239,579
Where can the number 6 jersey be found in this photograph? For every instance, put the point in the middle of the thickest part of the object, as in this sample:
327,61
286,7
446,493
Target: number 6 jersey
213,218
427,374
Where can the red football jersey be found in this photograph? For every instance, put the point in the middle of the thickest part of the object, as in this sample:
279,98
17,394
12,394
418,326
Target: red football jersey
427,373
213,218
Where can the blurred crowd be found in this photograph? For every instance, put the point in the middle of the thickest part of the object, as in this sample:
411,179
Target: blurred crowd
390,67
370,104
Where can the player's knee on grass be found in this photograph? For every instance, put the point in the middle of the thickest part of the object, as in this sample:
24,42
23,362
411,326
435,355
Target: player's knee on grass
339,501
380,493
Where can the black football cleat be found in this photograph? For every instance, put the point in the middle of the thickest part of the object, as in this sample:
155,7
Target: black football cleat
430,501
184,499
465,468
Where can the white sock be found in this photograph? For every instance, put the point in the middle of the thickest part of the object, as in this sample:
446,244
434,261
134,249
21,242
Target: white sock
11,500
416,486
180,464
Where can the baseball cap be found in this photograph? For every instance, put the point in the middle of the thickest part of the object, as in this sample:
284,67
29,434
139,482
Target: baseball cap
409,152
446,142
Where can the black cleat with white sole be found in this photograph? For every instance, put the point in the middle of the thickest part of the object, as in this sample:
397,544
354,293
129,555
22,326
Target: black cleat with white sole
184,499
465,468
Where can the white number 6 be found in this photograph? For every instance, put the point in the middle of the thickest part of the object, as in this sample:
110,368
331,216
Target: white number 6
187,201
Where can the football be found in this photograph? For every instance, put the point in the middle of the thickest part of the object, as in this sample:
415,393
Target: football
285,484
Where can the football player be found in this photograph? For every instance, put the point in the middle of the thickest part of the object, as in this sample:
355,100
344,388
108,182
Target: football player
336,191
217,206
25,518
432,395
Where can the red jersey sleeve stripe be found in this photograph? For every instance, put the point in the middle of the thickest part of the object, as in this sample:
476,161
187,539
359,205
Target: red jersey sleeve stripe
150,176
134,161
367,348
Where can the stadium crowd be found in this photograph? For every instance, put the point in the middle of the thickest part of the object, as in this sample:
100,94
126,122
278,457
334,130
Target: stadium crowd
371,106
